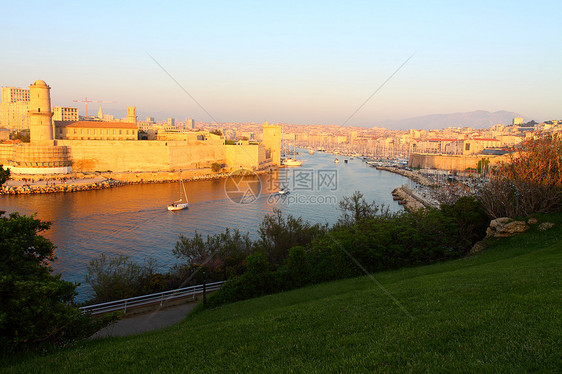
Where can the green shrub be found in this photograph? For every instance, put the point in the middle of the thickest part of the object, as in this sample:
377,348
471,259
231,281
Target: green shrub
278,234
4,174
258,280
298,267
119,278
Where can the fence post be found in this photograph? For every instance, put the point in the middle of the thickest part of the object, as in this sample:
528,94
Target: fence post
204,289
125,306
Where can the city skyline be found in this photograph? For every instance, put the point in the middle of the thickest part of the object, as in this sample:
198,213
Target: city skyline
305,63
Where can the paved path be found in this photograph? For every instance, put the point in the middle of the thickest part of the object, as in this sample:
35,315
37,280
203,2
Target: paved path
146,322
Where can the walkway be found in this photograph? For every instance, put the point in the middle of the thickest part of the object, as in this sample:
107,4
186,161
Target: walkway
138,324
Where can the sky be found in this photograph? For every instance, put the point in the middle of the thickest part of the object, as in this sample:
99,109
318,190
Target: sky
302,62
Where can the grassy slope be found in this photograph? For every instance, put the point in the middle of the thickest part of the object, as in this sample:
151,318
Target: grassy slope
500,310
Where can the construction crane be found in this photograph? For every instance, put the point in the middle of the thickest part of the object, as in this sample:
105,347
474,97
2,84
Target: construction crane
86,101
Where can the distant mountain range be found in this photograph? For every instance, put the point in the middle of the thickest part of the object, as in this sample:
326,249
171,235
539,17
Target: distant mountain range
476,119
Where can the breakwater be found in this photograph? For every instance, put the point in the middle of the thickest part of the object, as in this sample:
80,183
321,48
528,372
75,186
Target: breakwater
86,182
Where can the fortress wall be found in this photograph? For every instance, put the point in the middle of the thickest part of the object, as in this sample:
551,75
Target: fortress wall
443,162
121,156
451,162
92,155
194,156
6,153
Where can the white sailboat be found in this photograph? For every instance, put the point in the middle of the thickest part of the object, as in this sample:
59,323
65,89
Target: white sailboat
288,161
180,204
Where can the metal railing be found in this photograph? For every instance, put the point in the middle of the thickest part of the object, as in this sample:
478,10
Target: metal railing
151,299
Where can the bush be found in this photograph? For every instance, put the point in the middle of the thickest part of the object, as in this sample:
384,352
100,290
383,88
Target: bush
4,174
216,167
119,278
530,183
355,208
36,307
298,267
278,234
220,255
258,280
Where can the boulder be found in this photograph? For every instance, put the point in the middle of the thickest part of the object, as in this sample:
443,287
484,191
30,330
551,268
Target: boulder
478,247
532,221
499,222
511,228
545,226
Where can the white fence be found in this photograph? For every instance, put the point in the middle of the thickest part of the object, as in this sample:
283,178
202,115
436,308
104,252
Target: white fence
151,299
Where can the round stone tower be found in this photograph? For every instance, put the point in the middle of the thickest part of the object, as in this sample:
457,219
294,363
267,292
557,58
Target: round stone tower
40,114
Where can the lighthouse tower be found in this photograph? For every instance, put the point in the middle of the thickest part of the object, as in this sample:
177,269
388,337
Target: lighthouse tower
40,114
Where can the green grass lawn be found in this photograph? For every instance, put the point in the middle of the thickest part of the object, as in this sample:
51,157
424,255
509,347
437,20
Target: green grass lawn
497,311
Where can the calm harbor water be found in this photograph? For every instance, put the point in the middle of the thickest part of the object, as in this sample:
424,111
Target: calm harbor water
133,220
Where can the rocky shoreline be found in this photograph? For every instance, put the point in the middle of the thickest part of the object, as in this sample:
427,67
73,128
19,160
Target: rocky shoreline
85,182
415,176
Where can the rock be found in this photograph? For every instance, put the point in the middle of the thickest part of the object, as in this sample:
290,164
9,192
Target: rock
532,221
545,226
511,229
499,222
478,247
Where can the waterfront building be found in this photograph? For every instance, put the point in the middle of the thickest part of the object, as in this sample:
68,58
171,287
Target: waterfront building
95,130
59,147
14,108
61,113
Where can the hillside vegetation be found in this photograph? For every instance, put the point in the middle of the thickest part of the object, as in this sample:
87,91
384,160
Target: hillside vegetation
497,311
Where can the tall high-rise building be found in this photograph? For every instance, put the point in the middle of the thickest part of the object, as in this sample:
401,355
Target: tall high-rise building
171,122
190,124
14,108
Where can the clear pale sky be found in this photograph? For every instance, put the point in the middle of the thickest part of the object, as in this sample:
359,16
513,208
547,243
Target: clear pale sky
294,62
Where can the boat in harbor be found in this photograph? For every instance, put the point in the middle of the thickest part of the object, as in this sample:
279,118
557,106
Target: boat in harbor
180,204
291,162
283,191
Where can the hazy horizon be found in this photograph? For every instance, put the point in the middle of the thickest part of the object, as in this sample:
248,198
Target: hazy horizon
304,63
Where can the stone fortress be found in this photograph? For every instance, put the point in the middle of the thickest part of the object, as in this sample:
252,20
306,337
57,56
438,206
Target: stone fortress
61,147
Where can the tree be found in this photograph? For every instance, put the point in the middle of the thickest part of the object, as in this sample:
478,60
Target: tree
23,136
216,132
278,234
36,307
114,278
216,167
531,182
4,174
355,208
217,253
